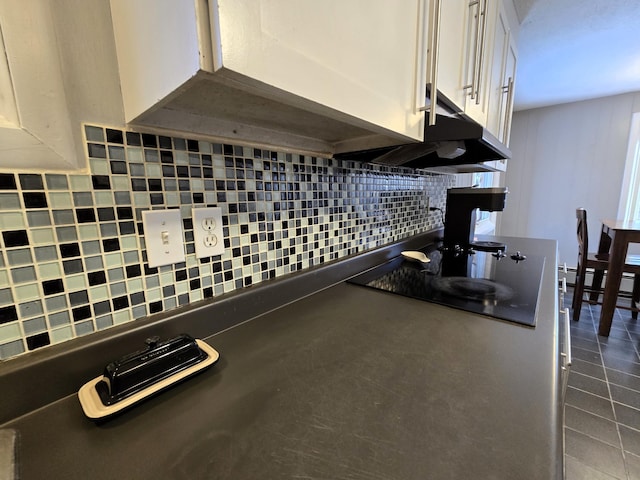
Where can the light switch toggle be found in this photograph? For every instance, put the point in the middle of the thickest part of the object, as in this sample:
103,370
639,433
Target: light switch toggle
163,237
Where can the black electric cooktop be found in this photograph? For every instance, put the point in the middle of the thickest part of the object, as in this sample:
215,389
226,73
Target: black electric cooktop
502,285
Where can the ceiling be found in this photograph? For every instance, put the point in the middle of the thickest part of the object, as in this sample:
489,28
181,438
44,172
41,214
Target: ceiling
571,50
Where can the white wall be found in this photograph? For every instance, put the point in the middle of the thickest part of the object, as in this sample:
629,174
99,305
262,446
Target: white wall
565,157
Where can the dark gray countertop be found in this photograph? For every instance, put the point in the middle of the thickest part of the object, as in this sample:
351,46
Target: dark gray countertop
347,383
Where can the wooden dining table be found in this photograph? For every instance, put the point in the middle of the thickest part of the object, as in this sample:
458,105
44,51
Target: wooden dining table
621,233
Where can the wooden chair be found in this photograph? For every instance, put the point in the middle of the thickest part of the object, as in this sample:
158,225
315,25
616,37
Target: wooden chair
599,263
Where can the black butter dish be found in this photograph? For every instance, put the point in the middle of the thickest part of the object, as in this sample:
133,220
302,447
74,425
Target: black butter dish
143,373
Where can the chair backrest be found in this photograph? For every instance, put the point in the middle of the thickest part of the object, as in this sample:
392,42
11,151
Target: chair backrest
583,239
583,234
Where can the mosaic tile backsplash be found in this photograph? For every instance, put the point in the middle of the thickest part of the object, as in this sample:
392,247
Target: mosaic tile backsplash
73,259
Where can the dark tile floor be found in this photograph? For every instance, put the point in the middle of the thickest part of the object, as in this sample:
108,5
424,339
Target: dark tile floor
602,408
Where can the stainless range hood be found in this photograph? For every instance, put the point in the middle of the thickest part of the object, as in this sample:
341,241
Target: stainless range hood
454,141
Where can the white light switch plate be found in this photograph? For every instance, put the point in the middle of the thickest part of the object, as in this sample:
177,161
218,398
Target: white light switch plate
207,231
163,237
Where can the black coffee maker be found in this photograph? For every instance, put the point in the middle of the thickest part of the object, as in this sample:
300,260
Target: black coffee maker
460,217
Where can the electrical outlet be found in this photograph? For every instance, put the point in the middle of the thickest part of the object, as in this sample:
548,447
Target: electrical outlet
207,231
163,237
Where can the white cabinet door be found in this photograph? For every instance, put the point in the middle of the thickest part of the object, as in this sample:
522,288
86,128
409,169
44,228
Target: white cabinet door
160,44
357,57
451,58
498,65
505,100
502,79
503,69
35,127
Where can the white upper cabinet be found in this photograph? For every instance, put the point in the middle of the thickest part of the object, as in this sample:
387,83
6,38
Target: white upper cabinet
503,71
319,76
473,42
501,86
451,61
35,129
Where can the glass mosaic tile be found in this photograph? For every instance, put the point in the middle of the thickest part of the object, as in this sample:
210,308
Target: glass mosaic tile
49,270
122,198
43,236
31,181
30,309
63,217
63,334
114,136
56,303
83,328
95,134
112,259
10,331
103,322
23,274
4,278
99,293
9,201
76,282
5,296
66,234
152,281
86,232
128,242
120,317
78,298
56,182
139,311
7,181
38,341
20,256
117,153
60,200
135,156
103,198
29,291
38,218
118,289
11,221
11,349
59,318
35,325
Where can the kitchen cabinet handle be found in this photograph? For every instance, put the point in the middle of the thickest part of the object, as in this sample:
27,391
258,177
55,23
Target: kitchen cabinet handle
434,62
473,87
480,55
566,356
421,67
432,46
563,287
507,113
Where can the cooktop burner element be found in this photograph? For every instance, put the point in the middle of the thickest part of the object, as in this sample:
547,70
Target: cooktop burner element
472,288
488,246
504,285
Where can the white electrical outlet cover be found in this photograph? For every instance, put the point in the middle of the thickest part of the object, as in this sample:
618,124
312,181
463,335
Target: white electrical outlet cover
163,237
207,231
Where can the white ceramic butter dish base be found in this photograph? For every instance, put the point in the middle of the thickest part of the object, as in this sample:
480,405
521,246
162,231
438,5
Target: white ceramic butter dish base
95,409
